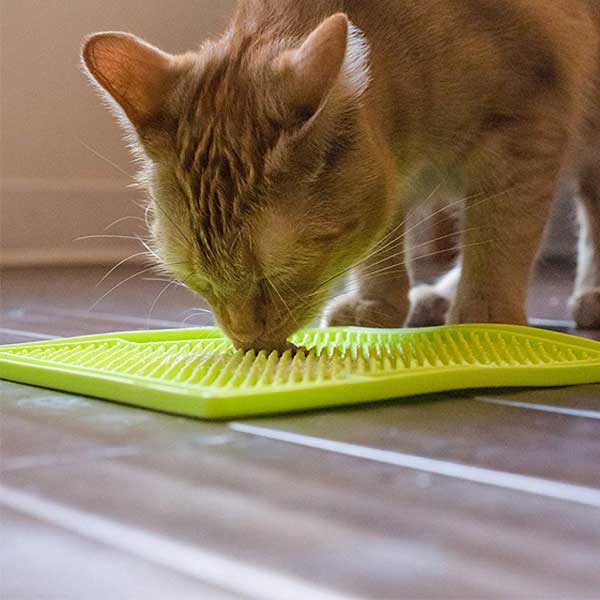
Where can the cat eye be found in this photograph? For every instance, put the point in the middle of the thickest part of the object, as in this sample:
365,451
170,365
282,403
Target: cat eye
335,233
327,237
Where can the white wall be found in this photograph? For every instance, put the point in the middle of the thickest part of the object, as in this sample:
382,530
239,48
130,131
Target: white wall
52,188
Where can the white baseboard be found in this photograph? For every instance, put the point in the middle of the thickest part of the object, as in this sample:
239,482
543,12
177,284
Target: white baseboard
40,221
57,258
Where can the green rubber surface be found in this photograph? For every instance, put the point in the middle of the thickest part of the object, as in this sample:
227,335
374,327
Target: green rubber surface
197,372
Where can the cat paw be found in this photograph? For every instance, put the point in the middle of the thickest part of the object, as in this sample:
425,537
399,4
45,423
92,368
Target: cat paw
352,310
478,311
427,307
585,308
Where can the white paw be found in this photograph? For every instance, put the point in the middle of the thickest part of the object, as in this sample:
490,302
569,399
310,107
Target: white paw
353,310
585,308
427,307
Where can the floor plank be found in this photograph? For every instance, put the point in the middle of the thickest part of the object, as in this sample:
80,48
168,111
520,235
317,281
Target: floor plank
457,429
578,401
67,566
370,528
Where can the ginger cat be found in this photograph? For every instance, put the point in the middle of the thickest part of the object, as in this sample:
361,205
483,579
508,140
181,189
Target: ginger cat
286,154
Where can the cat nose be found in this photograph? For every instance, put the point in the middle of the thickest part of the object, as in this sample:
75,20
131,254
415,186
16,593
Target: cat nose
246,336
246,329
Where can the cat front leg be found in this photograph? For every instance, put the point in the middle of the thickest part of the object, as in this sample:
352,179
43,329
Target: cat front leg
585,302
429,303
378,294
504,227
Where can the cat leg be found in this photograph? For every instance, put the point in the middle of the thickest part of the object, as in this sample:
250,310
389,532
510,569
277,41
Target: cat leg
585,302
501,240
430,303
379,296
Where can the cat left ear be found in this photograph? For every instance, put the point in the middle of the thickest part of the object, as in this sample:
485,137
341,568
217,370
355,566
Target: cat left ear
334,50
135,74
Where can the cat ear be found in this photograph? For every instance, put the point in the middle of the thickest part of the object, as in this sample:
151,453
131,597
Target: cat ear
335,48
135,74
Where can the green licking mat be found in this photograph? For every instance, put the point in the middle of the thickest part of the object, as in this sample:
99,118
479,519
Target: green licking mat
197,372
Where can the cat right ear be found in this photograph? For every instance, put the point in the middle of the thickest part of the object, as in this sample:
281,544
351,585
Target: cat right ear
136,75
336,50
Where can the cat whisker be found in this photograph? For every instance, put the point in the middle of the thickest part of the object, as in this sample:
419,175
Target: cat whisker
105,159
156,300
188,318
282,300
107,236
169,285
391,268
184,238
122,262
311,304
424,244
381,246
434,214
118,285
403,222
165,280
198,310
291,289
121,220
400,239
135,238
150,249
146,215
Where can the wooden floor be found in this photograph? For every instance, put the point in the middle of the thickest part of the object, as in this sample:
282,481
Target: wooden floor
494,494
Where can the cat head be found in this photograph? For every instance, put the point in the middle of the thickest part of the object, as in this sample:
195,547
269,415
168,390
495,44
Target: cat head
266,180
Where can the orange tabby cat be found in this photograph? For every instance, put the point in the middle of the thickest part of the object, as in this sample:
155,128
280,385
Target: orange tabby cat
287,152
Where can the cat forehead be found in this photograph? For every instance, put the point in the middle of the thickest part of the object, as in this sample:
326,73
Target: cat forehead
276,238
228,79
222,143
221,175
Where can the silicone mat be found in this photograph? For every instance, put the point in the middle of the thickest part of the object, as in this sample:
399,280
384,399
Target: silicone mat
197,372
